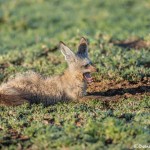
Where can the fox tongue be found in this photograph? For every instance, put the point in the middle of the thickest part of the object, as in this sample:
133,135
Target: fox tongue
88,77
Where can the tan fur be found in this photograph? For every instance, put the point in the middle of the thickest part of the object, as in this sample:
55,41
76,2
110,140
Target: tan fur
33,88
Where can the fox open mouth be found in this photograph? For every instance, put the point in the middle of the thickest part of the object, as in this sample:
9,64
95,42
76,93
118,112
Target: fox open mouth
87,77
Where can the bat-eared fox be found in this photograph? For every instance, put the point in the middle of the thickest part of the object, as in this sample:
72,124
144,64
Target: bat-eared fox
31,87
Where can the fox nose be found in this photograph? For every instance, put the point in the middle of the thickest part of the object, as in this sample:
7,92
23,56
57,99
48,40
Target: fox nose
94,69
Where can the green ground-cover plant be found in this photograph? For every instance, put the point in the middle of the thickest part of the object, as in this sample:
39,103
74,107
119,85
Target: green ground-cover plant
30,32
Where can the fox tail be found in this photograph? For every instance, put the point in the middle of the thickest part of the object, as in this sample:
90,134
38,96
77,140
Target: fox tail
11,100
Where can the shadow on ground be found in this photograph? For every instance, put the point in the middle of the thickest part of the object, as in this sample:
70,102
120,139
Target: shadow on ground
114,91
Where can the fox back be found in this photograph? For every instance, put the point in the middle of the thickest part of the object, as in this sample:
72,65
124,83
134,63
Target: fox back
31,87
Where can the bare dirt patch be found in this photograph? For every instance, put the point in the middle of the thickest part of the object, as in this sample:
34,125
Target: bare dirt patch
110,90
11,137
135,43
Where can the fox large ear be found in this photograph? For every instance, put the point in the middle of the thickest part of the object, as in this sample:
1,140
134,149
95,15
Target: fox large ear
83,48
69,55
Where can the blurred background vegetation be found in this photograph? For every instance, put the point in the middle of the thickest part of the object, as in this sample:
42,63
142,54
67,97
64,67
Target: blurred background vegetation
25,23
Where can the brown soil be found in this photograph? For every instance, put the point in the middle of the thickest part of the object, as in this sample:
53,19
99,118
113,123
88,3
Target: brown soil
110,90
135,43
12,135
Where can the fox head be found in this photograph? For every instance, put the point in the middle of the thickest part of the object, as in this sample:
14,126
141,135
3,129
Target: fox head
79,62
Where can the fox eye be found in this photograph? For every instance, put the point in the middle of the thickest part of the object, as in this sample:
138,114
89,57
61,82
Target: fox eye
86,66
